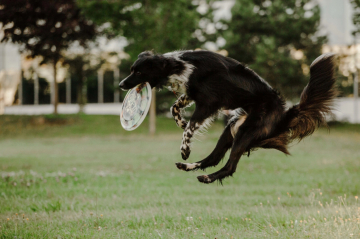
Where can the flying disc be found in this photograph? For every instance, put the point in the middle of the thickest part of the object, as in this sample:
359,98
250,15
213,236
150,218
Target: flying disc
135,106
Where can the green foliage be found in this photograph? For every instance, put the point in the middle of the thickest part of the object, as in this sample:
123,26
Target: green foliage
356,15
262,34
266,34
44,28
160,25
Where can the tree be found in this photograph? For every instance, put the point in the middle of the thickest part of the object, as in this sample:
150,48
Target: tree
80,67
161,25
356,33
356,15
278,39
45,28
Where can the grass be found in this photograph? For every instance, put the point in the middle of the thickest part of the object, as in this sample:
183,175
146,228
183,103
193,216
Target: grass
84,177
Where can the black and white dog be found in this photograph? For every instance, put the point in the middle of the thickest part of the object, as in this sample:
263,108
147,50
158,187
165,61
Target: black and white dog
214,82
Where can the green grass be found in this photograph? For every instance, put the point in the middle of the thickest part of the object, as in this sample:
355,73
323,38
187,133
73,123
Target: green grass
84,177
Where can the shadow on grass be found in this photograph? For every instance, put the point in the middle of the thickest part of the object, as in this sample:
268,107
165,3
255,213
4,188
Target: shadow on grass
14,126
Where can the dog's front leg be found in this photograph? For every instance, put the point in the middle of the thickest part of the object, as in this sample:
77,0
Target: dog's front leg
201,117
180,103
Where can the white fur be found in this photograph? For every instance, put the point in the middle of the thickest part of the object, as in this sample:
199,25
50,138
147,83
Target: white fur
235,127
178,83
204,126
190,166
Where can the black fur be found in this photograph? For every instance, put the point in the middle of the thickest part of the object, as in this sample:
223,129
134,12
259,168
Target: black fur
216,82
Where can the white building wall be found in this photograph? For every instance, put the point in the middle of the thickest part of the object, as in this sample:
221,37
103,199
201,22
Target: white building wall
10,73
336,21
10,59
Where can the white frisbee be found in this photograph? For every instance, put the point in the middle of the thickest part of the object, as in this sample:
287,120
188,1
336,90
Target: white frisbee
135,106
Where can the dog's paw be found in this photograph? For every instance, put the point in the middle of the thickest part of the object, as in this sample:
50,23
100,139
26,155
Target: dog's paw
185,152
205,179
181,166
187,166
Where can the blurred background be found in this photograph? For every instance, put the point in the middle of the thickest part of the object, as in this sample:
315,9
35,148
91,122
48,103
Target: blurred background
69,170
68,56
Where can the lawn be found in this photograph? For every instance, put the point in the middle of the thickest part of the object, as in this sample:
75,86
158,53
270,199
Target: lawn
85,177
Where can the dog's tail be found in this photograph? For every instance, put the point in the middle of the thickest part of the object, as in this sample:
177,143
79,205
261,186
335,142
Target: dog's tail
315,100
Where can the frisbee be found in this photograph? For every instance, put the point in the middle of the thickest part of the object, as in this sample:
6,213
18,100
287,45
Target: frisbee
135,106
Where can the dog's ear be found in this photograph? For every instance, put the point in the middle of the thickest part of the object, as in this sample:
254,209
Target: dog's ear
165,63
145,54
174,66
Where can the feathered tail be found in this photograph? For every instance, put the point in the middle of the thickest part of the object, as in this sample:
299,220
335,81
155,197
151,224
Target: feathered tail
315,102
316,99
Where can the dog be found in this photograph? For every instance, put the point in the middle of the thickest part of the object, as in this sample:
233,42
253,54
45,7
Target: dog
215,82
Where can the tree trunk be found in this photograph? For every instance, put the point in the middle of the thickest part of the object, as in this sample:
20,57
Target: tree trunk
68,89
56,93
2,99
152,120
20,89
100,86
116,85
356,95
36,88
80,86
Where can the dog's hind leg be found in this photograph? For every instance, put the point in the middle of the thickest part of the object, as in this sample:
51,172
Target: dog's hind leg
239,147
252,130
182,102
223,145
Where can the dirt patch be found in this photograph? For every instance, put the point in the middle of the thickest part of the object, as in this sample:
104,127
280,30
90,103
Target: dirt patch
42,120
11,124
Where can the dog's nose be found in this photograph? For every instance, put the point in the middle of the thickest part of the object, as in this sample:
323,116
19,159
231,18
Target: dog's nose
121,85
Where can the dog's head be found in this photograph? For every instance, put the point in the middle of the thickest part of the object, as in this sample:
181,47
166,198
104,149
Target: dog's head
147,68
151,68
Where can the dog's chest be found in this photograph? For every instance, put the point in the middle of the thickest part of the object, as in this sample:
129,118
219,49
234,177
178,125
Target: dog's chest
176,85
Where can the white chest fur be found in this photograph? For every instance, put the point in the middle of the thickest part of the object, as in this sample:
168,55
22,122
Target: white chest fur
175,85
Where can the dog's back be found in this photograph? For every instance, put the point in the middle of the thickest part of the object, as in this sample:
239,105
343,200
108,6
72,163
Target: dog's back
222,82
220,79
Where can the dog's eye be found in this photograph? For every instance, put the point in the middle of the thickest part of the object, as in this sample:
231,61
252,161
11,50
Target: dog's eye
138,73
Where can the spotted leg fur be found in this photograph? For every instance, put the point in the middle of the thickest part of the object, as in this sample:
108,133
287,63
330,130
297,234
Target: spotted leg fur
187,135
180,103
201,118
189,132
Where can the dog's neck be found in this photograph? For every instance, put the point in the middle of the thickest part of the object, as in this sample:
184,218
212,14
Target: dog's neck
178,82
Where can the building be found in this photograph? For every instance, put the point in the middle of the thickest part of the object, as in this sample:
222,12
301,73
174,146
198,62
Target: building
336,21
10,73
